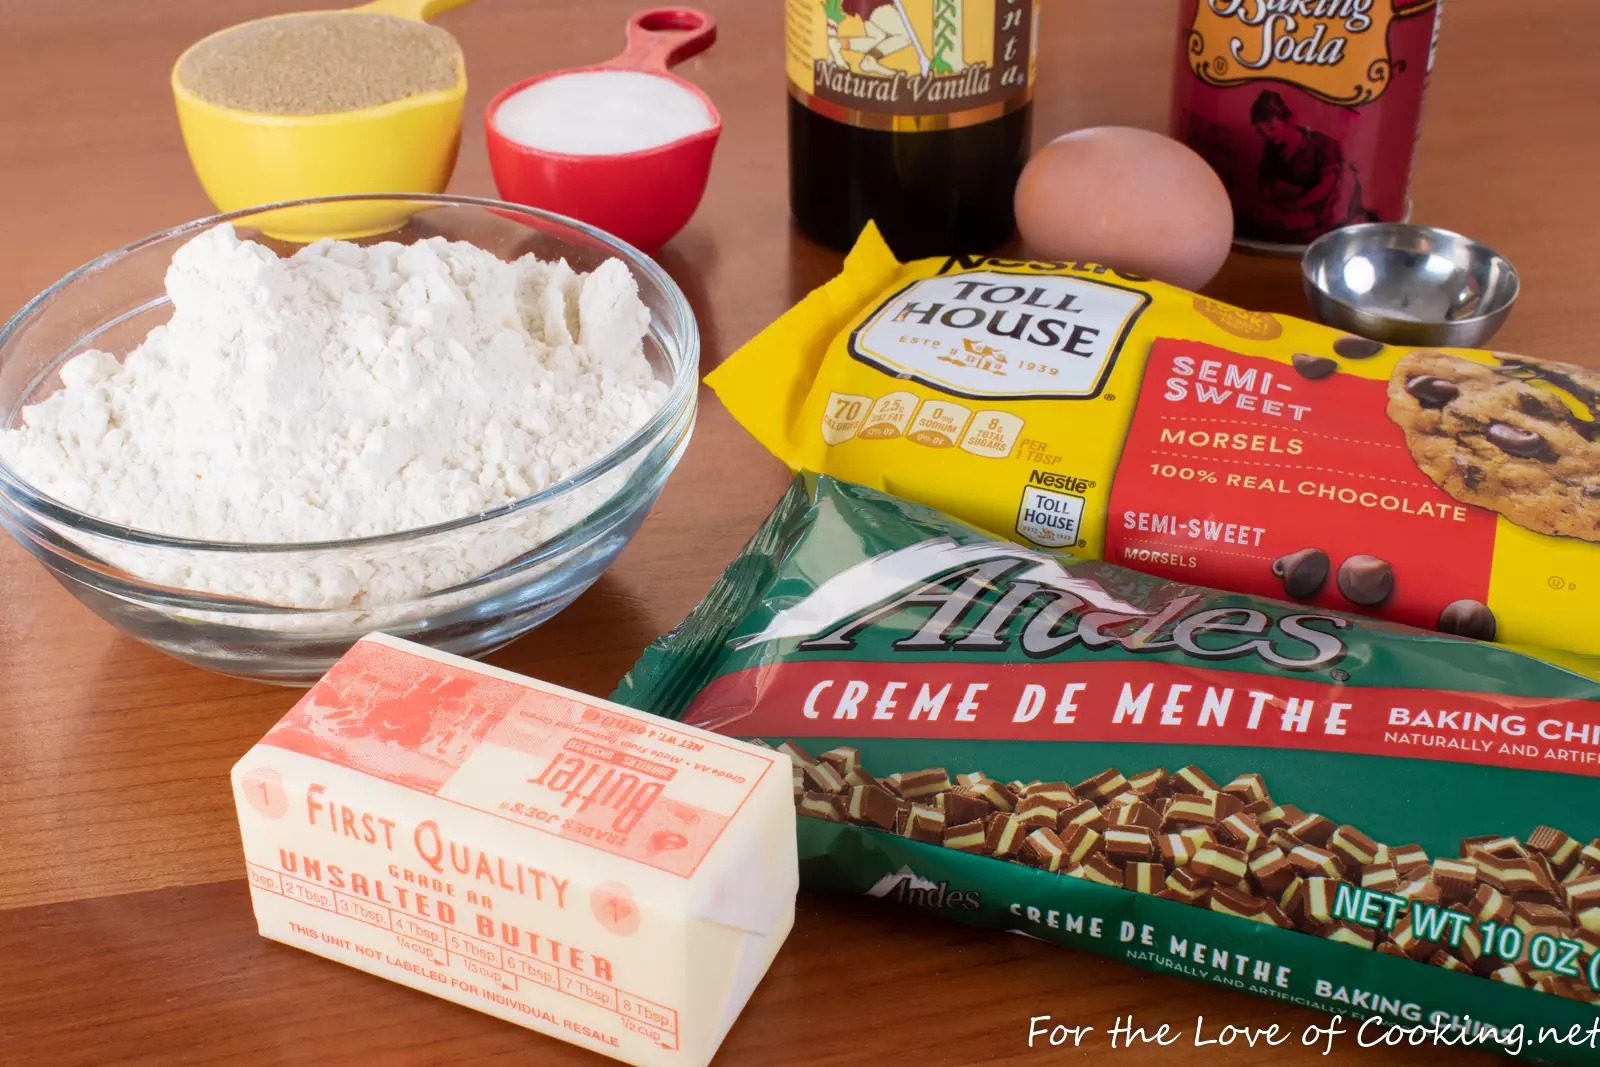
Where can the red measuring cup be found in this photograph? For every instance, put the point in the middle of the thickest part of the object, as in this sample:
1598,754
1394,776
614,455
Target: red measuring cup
643,197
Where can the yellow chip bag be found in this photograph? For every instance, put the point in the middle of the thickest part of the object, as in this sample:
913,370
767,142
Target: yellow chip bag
1073,407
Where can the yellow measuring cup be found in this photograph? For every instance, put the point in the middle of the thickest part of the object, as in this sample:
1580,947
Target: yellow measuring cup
245,159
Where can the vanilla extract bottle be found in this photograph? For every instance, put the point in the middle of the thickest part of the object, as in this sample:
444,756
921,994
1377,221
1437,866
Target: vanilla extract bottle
914,114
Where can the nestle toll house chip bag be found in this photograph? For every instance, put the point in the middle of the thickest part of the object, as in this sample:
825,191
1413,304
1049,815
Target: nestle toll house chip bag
1333,812
1068,406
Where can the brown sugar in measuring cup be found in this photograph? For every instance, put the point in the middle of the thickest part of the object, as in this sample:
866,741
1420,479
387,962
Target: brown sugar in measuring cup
245,158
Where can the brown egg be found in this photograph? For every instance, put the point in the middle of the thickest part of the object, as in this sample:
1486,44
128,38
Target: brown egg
1129,199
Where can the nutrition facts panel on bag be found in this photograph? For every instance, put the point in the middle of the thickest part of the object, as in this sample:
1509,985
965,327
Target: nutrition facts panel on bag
935,422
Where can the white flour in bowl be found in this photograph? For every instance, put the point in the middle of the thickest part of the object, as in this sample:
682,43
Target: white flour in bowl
346,391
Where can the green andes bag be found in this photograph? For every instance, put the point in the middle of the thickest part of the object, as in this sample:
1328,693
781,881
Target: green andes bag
1334,812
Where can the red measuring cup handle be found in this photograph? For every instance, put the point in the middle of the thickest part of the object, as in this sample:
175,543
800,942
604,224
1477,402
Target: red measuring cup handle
664,36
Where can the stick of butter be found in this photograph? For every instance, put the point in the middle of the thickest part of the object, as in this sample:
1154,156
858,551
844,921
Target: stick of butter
606,877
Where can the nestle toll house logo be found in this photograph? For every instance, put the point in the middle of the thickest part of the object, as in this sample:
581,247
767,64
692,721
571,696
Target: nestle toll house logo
990,334
1337,50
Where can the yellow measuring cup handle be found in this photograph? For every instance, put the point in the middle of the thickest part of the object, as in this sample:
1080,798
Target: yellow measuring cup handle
416,10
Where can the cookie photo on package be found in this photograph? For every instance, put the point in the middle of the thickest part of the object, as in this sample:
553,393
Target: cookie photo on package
1070,406
1332,811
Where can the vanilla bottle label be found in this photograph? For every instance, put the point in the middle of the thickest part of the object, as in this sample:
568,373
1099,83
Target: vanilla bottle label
911,64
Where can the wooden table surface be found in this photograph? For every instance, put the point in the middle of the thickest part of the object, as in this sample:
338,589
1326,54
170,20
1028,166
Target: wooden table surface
125,929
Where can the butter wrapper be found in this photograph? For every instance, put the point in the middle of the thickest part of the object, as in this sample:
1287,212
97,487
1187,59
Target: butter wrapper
612,879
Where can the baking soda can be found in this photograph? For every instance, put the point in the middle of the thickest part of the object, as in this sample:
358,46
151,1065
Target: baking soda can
1308,109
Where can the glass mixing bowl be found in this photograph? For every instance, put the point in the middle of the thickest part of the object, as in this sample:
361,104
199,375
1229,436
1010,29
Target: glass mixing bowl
508,569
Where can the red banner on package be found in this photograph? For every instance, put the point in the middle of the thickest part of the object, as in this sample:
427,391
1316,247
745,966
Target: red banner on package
1233,462
1149,703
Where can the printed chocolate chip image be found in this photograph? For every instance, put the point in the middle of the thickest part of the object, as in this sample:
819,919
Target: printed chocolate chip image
1352,347
1302,572
1525,444
1468,618
1313,367
1519,436
1366,580
1432,391
1234,850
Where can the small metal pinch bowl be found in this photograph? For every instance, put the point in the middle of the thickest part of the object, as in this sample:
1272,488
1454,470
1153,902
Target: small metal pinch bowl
1404,284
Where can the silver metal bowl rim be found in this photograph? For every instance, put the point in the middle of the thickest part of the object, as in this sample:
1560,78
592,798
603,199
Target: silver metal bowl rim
1377,312
680,396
